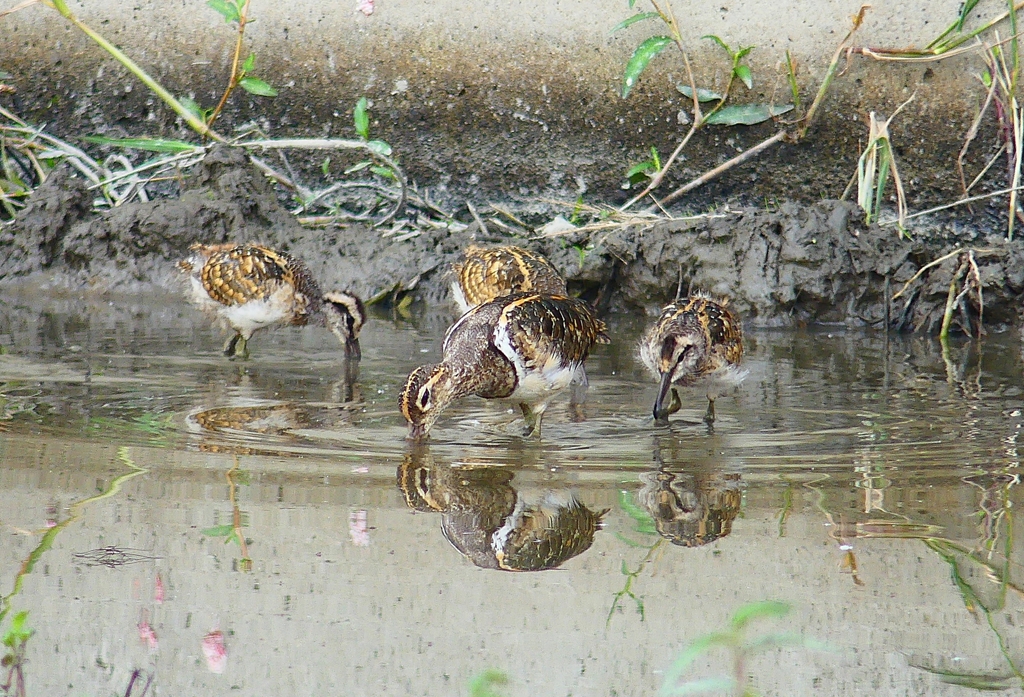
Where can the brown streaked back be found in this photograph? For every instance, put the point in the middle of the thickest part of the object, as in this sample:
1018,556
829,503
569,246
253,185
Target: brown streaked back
234,275
486,274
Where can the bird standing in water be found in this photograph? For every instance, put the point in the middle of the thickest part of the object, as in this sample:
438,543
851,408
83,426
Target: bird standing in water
486,274
251,286
695,340
523,347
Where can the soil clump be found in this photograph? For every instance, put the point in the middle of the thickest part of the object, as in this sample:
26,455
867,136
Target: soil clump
792,265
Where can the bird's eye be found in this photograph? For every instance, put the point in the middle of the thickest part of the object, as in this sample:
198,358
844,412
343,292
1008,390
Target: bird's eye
424,398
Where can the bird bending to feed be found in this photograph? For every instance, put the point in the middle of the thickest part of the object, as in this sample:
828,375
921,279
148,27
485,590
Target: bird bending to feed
251,286
486,274
695,340
523,347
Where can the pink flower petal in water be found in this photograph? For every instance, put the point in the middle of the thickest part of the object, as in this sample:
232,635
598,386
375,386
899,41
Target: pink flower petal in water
215,651
147,635
158,591
358,530
366,7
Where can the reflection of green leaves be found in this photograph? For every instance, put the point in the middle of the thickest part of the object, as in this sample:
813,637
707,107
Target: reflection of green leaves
740,647
18,633
643,54
483,684
219,531
754,611
644,521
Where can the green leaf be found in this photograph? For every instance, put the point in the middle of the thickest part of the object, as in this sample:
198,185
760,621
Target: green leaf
150,144
249,63
742,53
703,95
358,166
227,10
965,10
379,147
754,611
219,531
743,73
721,43
255,85
361,119
641,168
747,114
631,3
639,60
193,107
385,172
325,166
630,21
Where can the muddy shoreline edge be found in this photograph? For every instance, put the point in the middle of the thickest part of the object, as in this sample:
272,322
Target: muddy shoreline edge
790,265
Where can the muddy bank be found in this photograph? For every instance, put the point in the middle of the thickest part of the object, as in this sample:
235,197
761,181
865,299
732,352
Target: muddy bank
791,265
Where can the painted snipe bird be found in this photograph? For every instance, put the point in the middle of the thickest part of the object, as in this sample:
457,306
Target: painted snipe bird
486,274
524,347
251,286
696,340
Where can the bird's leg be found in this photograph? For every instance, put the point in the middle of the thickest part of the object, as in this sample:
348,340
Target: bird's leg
533,419
709,415
237,347
231,345
578,396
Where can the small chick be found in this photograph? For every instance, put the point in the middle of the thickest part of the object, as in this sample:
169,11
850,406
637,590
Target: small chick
486,274
251,286
524,347
695,340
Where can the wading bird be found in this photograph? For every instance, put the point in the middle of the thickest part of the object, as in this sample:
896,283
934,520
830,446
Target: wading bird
251,286
524,347
486,274
696,340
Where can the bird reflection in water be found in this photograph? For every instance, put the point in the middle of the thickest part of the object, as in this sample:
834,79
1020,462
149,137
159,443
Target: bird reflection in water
692,504
252,414
491,523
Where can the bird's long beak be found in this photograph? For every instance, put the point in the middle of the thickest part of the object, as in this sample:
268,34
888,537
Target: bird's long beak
417,433
352,350
661,412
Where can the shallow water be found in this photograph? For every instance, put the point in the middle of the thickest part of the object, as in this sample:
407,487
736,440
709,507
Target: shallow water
869,484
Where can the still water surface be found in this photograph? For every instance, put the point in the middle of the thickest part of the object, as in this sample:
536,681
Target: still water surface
178,524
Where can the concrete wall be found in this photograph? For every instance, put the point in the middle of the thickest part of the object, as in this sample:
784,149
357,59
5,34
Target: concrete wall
515,99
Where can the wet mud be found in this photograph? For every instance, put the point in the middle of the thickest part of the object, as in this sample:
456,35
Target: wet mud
792,264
